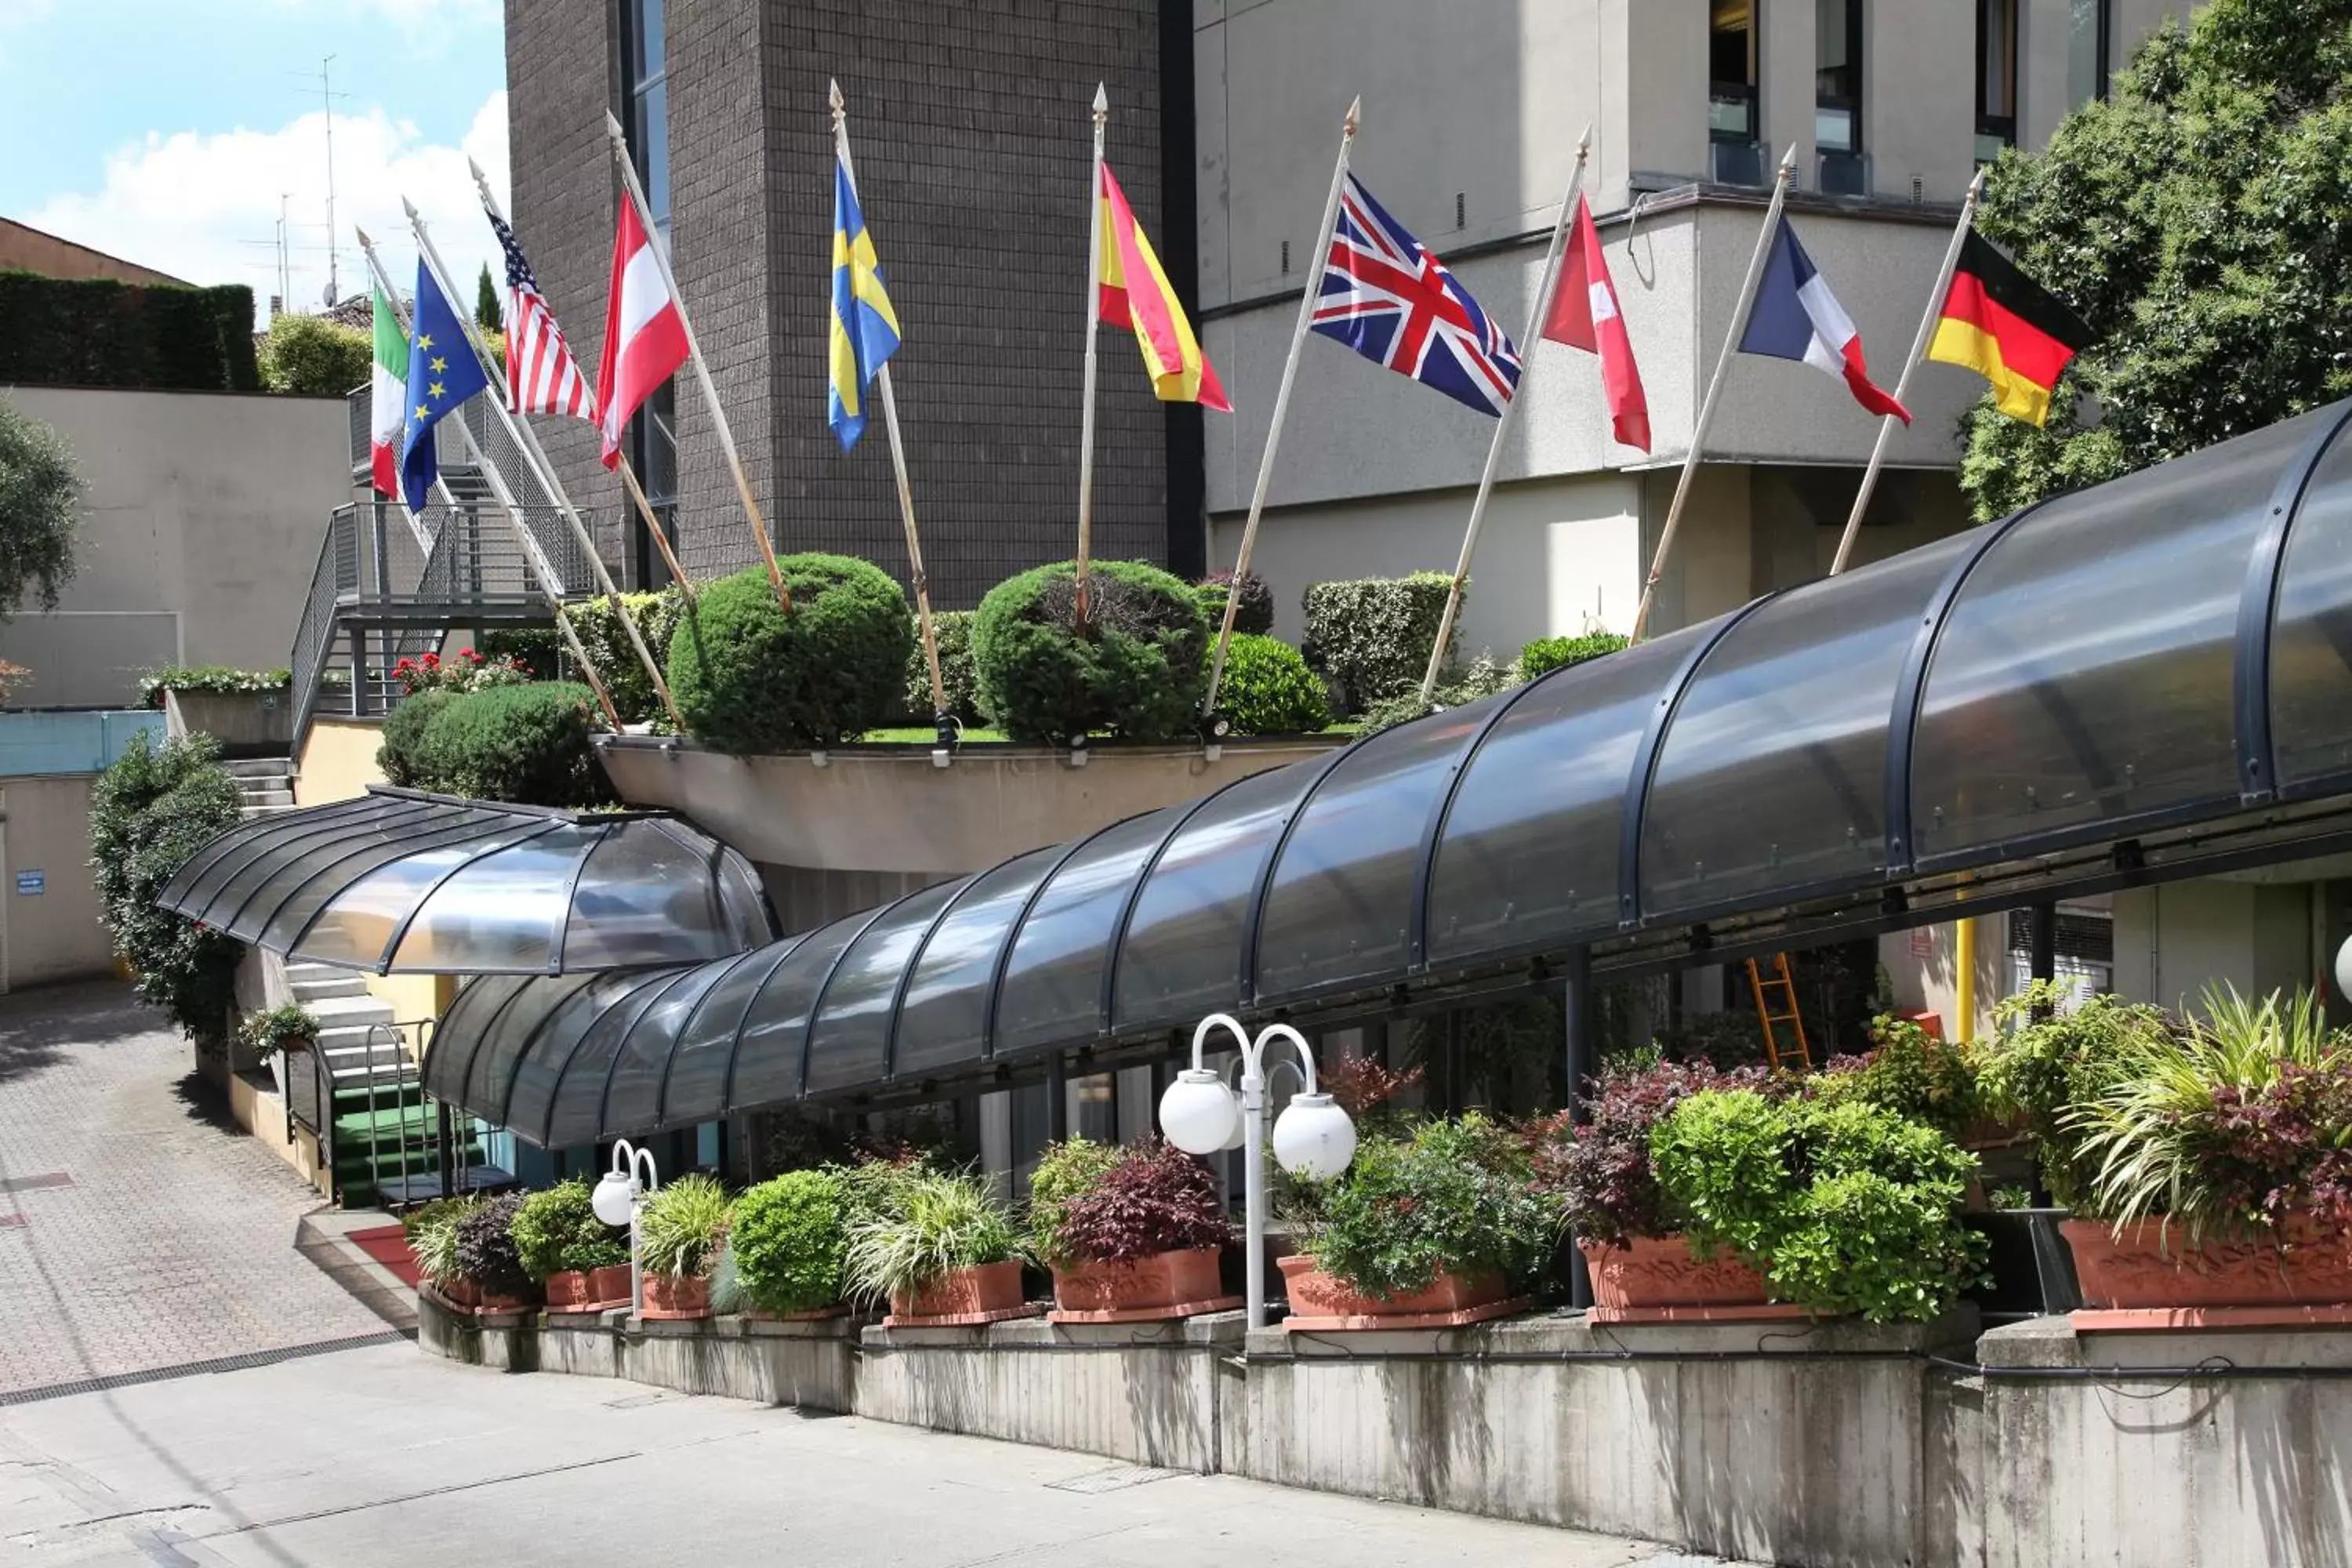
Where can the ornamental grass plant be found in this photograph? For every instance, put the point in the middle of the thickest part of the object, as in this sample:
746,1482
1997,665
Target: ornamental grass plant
923,1225
682,1226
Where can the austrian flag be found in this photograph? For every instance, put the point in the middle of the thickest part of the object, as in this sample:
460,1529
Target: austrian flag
644,336
1796,317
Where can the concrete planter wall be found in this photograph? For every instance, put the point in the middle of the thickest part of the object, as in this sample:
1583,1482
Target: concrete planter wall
890,810
247,724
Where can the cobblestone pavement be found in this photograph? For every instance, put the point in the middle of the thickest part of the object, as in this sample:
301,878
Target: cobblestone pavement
140,1229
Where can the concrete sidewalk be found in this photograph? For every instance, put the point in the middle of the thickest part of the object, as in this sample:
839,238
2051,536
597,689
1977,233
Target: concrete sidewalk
380,1456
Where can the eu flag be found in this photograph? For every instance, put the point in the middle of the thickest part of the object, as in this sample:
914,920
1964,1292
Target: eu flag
865,327
443,372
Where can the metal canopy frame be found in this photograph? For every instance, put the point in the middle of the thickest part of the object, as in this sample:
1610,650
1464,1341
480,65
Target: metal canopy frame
2057,700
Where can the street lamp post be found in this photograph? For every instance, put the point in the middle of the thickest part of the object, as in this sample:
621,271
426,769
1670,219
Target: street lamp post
616,1200
1312,1137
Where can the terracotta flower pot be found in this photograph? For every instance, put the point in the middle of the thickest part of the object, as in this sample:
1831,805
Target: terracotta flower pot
2153,1266
459,1292
1316,1295
1158,1283
490,1303
676,1296
1656,1279
587,1290
988,1289
609,1284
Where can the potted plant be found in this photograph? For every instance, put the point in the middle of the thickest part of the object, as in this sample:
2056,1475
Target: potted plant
789,1235
488,1256
939,1248
1433,1228
582,1263
1644,1269
1842,1205
2218,1154
1131,1235
290,1027
680,1233
431,1231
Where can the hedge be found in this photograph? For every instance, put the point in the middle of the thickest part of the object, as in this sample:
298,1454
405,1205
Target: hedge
749,679
1135,669
953,631
1269,690
527,744
99,333
153,810
1371,636
1547,654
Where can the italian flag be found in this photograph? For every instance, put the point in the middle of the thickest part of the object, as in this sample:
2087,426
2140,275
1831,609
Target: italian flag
387,396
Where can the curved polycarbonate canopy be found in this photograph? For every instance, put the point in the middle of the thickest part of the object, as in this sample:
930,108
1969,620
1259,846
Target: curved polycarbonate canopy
400,882
2123,684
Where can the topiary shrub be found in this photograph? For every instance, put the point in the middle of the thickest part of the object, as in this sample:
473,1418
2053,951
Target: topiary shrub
1546,654
153,810
1137,670
749,679
522,744
1254,618
607,644
486,1252
1268,689
951,629
789,1235
1371,636
401,753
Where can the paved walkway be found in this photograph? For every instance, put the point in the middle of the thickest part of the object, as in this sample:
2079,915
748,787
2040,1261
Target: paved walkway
140,1230
384,1455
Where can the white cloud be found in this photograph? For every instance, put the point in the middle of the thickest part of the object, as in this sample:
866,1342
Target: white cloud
204,206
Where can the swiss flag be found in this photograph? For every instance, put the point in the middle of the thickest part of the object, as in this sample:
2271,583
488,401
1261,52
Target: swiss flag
644,337
1584,315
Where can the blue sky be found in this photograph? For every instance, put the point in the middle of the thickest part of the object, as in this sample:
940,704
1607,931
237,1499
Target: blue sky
167,131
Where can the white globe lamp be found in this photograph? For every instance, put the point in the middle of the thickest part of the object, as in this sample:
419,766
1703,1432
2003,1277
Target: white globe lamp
2343,969
1197,1113
1313,1138
614,1198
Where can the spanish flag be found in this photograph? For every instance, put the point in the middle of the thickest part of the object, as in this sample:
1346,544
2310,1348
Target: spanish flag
1135,292
2007,328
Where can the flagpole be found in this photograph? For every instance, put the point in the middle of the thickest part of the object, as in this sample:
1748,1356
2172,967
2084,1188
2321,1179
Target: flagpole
1544,292
628,475
527,442
544,573
1780,183
636,195
1348,128
1887,422
921,580
1094,309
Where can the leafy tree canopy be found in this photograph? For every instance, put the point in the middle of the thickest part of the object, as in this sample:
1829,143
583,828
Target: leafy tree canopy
40,492
313,356
2200,223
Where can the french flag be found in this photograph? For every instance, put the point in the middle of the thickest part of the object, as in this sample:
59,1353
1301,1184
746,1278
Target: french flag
1797,317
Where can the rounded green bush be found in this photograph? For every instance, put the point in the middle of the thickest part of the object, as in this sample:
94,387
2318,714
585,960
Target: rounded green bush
1545,654
402,755
1135,669
749,679
557,1229
790,1234
522,744
1269,690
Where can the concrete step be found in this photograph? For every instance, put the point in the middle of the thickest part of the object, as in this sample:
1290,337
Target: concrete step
261,767
249,797
248,813
327,985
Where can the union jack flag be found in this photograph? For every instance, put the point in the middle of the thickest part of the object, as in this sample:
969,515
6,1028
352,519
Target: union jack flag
1387,297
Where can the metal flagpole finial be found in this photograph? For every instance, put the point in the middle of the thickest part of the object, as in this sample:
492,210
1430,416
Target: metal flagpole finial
365,243
481,182
833,95
1584,142
1102,104
1355,116
1976,185
410,209
613,133
1788,163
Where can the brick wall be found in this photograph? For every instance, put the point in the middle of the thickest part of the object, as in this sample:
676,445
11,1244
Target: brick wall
970,130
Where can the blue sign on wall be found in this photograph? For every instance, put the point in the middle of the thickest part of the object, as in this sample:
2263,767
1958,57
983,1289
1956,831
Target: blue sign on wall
32,884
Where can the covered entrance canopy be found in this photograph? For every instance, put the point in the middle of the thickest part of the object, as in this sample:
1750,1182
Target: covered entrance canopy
2148,679
400,882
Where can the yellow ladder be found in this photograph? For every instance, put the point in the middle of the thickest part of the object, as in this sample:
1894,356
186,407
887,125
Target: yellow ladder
1779,981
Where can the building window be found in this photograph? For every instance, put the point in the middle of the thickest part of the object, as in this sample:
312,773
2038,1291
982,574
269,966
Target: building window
1732,71
1837,76
652,440
2090,38
1995,78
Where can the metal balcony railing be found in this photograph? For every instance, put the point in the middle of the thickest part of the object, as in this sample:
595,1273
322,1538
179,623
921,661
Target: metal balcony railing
490,435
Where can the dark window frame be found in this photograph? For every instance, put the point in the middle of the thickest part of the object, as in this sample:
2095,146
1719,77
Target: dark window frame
1748,94
1990,127
2102,50
651,441
1856,70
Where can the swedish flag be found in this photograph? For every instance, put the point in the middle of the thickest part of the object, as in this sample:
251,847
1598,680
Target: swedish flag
864,328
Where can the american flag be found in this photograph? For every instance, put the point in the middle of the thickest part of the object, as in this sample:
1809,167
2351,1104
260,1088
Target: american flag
1387,297
541,375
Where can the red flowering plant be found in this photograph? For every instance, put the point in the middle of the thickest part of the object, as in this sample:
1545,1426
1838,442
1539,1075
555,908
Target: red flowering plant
1152,1197
1600,1171
467,670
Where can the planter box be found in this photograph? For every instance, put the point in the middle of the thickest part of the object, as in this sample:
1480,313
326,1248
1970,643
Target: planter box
1321,1302
247,724
1164,1285
588,1290
2032,1269
2151,1278
1655,1280
676,1296
963,1299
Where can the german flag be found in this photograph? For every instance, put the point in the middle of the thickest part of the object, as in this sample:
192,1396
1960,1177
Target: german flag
2007,328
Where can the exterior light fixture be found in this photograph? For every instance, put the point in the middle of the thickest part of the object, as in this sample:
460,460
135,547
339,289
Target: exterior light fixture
616,1200
1313,1138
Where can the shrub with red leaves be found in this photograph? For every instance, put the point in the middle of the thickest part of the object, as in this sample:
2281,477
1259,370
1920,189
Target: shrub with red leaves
2282,1148
1156,1199
1359,1084
1601,1170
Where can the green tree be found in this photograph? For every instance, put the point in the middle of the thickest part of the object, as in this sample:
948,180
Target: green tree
314,355
153,810
2200,223
487,314
40,491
